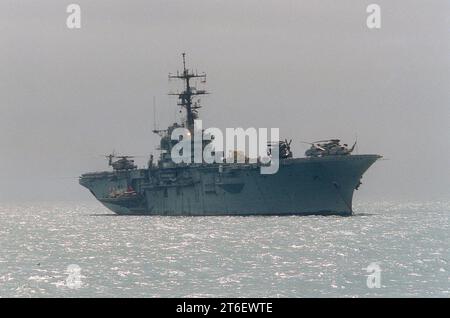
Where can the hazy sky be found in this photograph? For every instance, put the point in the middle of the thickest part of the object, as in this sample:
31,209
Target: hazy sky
312,68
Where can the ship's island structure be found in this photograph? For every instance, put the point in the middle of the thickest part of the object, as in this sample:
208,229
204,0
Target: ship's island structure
322,182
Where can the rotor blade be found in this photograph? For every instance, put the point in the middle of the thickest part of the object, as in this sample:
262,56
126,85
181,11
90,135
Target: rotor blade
325,140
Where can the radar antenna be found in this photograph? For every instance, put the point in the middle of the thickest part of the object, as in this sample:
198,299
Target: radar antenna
186,97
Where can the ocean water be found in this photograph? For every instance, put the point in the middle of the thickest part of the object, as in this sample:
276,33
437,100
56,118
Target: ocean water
82,250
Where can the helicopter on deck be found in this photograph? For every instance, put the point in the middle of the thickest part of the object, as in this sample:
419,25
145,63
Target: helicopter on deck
123,162
329,147
284,148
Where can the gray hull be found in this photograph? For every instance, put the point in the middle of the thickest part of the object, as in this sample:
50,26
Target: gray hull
302,186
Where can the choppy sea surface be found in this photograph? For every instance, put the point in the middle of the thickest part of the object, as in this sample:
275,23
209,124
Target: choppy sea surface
82,250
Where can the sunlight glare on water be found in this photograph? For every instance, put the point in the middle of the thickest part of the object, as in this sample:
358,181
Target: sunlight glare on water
141,256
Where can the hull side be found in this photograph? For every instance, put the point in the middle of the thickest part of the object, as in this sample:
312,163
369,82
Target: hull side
301,187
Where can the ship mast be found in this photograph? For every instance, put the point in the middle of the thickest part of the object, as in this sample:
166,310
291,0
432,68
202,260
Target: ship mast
186,97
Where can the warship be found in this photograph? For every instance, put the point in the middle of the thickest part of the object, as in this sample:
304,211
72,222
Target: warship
322,182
